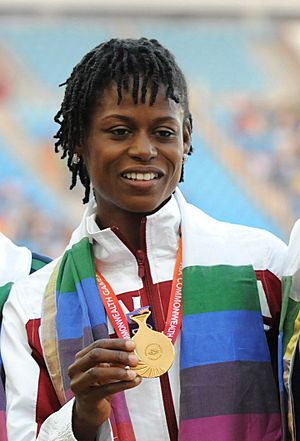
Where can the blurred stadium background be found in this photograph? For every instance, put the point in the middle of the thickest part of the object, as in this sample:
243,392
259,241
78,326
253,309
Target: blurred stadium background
242,62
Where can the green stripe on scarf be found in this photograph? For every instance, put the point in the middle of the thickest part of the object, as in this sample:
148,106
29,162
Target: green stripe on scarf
80,252
4,293
237,284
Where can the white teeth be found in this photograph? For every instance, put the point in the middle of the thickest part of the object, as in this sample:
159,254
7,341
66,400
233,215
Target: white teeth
140,176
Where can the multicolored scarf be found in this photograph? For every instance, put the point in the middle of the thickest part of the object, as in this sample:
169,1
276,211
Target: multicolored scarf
227,388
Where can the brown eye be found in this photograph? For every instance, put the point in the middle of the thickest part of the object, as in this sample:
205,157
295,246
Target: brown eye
165,133
122,131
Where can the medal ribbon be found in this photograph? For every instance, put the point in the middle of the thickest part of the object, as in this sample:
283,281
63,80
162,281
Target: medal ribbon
112,307
118,318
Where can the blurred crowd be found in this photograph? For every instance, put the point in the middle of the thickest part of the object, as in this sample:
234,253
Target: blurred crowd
28,224
269,135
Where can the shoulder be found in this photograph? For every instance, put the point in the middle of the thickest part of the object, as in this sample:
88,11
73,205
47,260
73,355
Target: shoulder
263,239
236,244
15,261
292,261
265,249
241,233
27,294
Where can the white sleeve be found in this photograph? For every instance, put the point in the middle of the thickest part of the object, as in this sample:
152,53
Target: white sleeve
276,255
22,381
15,261
292,261
58,427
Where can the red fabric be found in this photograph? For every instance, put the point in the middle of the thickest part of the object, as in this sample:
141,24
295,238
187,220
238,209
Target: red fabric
47,401
272,288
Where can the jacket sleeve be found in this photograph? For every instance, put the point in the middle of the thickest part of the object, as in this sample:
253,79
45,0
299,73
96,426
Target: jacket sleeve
58,427
33,411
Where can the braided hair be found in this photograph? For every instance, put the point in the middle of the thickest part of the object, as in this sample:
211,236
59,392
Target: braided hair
140,66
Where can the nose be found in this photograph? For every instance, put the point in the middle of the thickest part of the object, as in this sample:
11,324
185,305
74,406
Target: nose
142,148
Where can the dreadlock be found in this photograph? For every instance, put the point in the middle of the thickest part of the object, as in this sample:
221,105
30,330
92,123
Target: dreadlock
142,65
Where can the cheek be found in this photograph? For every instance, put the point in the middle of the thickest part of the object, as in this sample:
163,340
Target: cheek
177,161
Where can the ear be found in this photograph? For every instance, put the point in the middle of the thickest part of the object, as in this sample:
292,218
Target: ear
187,136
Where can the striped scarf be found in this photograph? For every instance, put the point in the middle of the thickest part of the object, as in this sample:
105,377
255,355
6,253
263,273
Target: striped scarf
227,387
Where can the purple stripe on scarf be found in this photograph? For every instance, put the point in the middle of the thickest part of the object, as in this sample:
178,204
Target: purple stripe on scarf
2,395
69,394
227,388
3,434
119,406
69,347
251,427
120,420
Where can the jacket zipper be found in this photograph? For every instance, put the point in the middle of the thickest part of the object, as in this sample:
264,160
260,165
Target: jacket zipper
159,323
158,320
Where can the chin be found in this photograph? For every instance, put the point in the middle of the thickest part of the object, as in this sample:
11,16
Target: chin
148,208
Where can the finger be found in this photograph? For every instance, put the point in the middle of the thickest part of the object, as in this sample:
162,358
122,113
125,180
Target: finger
99,376
113,388
97,356
105,391
109,343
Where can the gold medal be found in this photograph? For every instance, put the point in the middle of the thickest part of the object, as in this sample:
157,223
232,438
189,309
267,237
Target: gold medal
154,349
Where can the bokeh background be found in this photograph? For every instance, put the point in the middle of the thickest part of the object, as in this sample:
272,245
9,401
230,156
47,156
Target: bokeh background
242,62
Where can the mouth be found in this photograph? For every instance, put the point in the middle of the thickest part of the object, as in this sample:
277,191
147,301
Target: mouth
138,176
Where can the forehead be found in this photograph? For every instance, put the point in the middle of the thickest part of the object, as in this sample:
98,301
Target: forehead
108,103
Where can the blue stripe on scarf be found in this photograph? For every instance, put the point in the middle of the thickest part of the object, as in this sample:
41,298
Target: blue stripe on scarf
70,319
79,310
96,309
209,338
280,362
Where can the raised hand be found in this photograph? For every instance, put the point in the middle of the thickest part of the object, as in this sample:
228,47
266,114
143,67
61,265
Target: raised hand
100,370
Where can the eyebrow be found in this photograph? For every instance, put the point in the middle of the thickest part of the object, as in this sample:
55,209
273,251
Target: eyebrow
128,119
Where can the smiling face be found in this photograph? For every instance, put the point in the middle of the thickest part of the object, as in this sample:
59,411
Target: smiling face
133,153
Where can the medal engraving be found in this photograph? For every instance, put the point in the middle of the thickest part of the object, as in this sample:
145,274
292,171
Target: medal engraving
154,350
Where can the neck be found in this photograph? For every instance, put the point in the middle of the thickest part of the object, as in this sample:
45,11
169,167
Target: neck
129,226
127,222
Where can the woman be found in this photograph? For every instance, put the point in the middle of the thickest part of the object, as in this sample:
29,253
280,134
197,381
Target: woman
125,129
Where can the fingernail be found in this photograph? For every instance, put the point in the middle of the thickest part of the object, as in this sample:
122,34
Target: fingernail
131,374
132,358
130,345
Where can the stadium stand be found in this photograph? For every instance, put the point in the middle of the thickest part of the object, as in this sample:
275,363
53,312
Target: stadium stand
244,169
27,205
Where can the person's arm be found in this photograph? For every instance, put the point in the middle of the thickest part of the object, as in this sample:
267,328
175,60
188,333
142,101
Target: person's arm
29,392
99,371
58,427
32,406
